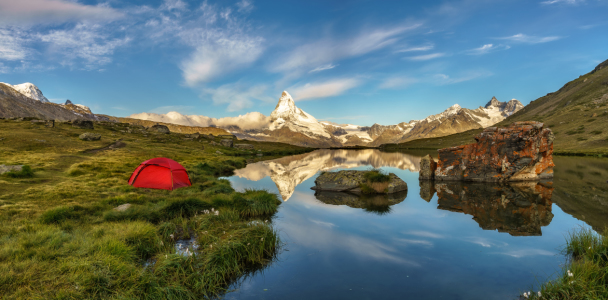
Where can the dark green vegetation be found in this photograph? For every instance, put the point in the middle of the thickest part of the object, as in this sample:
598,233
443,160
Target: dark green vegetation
377,176
61,237
577,113
376,182
586,276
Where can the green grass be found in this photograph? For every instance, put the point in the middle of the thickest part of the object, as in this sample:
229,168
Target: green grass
586,275
26,172
62,239
377,176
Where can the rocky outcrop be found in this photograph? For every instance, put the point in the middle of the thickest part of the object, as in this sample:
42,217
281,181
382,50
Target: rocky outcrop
161,129
227,142
518,208
427,168
9,168
83,124
88,136
523,151
354,181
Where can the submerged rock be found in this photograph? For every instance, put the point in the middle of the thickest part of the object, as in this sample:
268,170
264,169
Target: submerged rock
523,151
352,181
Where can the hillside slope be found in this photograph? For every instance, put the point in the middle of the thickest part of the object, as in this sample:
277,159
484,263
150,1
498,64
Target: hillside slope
577,113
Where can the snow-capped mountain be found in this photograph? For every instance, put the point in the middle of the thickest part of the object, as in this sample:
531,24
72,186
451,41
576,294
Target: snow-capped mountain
290,124
290,171
26,100
29,90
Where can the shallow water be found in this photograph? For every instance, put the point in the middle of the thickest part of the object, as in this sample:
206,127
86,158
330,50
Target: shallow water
444,241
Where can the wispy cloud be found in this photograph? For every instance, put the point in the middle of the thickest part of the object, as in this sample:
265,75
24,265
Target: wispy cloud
237,96
252,120
397,82
323,89
426,56
245,6
443,79
327,50
90,43
416,48
42,11
11,44
571,2
323,68
527,39
487,48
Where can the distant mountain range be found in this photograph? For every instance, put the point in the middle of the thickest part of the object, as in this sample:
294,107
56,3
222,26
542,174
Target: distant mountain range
27,101
290,124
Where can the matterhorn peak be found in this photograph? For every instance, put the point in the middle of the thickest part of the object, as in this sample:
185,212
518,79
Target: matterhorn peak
285,108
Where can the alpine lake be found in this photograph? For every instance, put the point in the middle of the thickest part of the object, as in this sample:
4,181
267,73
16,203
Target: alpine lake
442,240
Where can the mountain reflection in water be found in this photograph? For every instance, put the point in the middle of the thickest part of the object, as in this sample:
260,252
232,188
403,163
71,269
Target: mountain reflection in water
520,208
289,172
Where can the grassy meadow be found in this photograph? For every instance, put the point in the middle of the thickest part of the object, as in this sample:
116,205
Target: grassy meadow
61,237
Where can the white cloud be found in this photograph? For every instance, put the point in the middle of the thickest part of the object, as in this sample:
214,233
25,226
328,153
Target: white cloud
397,82
443,79
323,89
252,120
522,38
11,44
219,53
426,56
487,48
4,69
237,96
88,42
322,52
416,48
244,6
41,11
549,2
322,68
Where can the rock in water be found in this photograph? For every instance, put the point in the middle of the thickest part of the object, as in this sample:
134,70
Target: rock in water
88,136
427,168
351,181
83,124
161,128
227,143
522,151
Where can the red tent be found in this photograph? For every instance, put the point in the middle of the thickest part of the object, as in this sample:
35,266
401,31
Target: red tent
160,173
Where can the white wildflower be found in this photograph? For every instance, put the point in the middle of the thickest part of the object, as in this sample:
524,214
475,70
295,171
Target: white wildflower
171,236
212,209
248,244
217,212
539,294
262,239
525,295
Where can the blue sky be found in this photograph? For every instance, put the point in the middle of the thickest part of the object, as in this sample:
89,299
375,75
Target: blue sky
359,62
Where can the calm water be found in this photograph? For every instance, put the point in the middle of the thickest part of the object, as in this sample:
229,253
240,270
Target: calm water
445,241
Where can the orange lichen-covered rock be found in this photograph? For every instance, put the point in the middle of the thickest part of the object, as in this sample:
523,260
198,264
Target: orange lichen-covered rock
522,151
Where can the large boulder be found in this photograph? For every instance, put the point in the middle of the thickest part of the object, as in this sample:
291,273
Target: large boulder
83,124
9,168
161,128
522,151
227,143
353,181
427,168
88,136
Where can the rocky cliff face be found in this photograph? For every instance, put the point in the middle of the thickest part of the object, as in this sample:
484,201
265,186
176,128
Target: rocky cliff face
520,209
522,151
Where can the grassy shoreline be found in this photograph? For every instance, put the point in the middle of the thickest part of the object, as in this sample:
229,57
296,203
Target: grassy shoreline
62,238
585,276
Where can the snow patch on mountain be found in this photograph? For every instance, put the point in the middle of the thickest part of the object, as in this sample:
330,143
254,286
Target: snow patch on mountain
29,90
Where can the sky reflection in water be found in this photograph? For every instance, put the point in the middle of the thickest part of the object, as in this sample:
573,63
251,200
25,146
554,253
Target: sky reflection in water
417,250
